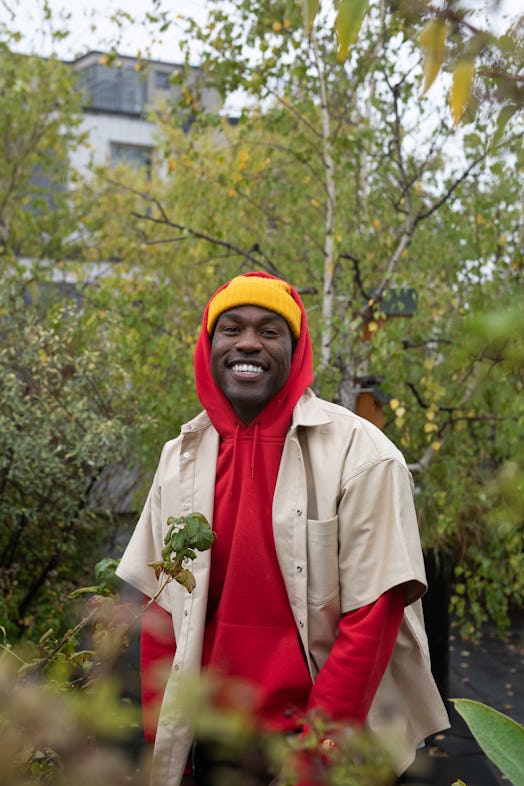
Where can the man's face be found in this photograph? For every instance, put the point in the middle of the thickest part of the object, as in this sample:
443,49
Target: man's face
251,353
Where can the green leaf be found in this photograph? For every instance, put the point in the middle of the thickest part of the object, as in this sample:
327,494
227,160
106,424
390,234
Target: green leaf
309,10
505,115
348,23
433,42
499,736
108,581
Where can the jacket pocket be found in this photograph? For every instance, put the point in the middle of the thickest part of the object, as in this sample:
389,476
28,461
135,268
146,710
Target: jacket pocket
322,558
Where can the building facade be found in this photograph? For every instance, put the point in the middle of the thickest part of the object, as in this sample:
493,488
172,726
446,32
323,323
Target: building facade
120,92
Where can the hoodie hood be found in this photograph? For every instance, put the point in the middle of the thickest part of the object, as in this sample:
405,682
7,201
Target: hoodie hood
275,417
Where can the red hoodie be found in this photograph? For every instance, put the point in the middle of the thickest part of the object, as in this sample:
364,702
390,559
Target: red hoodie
250,632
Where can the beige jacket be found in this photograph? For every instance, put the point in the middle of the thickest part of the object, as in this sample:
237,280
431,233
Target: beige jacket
345,532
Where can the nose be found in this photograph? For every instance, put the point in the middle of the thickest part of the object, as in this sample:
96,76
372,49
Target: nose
248,340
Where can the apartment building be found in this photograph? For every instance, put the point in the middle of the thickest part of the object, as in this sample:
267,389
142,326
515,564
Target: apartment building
119,93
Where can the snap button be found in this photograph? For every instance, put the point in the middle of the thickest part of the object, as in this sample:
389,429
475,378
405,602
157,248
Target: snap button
301,623
186,454
299,568
176,667
299,512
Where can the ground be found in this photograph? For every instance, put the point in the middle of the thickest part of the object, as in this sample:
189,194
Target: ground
490,671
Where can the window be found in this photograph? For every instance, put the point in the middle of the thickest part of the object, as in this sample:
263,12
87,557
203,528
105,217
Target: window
114,89
139,156
162,80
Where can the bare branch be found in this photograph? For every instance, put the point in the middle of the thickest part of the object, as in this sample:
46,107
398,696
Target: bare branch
424,462
453,187
358,277
194,233
164,220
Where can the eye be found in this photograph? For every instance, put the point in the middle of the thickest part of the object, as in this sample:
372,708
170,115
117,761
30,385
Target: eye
230,330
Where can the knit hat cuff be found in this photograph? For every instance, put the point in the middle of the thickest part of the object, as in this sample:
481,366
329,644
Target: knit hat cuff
270,293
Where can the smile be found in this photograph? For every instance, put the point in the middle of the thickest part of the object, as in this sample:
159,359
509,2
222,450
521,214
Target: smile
246,368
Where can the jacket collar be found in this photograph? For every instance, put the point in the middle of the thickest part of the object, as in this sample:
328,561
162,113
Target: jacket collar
199,422
308,411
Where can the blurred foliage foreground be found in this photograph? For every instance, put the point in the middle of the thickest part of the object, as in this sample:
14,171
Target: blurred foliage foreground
64,718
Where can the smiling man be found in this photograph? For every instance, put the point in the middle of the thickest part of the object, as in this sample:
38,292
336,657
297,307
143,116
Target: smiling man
251,354
311,592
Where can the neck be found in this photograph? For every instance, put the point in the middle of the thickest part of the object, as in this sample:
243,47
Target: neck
247,416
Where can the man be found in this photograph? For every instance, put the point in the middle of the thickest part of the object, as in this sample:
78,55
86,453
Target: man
311,591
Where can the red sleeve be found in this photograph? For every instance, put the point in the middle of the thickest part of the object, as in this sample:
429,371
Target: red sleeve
348,681
157,649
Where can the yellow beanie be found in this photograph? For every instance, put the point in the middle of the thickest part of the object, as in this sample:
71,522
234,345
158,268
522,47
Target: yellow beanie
270,293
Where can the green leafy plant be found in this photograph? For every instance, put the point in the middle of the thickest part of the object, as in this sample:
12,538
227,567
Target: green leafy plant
186,535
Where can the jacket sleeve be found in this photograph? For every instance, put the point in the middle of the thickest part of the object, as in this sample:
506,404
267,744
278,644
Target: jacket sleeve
348,681
145,546
379,542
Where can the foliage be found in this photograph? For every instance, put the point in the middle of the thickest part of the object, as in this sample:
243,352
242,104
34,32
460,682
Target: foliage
54,733
478,57
185,536
59,436
469,501
344,181
63,720
500,737
39,126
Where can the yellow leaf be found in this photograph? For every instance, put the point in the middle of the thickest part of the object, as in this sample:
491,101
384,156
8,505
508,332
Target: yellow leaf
394,403
348,23
433,42
401,411
309,11
277,27
436,445
429,427
461,87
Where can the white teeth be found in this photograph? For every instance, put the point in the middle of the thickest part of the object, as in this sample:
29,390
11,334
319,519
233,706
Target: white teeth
246,368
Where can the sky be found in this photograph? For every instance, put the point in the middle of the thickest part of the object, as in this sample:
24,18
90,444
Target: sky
91,27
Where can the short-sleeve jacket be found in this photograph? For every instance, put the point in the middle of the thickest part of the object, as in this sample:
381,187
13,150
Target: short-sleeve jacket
345,532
